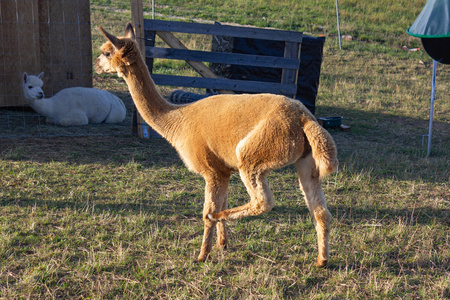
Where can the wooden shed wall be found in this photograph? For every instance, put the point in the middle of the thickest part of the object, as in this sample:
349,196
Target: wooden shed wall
50,36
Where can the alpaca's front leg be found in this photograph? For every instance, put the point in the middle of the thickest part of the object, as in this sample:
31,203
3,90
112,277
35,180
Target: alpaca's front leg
222,235
261,198
215,201
208,235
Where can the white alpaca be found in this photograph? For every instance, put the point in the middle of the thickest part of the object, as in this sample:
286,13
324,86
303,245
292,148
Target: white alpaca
73,106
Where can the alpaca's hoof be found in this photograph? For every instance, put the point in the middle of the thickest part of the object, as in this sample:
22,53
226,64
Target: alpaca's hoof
213,217
202,258
321,262
222,245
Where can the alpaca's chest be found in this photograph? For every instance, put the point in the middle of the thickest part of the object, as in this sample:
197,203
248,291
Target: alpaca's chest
203,155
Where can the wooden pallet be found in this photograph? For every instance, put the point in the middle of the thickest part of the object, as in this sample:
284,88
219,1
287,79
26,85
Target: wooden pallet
289,64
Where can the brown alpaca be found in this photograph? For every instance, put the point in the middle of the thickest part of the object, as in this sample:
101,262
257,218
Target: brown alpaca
250,134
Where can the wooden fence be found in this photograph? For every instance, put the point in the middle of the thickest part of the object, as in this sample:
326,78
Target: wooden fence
147,30
289,63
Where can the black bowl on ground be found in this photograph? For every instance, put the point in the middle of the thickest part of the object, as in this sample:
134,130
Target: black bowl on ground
330,122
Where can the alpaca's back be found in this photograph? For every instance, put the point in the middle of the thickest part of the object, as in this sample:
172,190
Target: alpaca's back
118,110
98,105
210,121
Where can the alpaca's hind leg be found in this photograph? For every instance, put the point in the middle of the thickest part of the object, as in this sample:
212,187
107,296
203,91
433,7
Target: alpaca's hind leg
311,187
261,198
215,200
264,148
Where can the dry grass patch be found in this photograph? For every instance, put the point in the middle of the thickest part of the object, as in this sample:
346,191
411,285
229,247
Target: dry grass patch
119,217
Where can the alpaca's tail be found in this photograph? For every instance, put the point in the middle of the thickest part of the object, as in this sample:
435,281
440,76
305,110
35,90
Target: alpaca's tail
322,145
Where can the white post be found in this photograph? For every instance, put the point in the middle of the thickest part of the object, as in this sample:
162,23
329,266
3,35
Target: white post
430,126
338,24
153,9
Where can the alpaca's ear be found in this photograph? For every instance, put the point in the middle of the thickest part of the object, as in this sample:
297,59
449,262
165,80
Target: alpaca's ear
25,76
41,75
113,39
129,32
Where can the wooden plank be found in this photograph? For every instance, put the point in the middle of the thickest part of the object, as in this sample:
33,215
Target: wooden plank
289,76
225,30
44,35
173,42
224,57
86,50
5,79
84,12
8,12
72,46
85,38
19,40
10,58
86,63
4,99
150,38
200,67
71,12
227,84
56,70
76,68
28,34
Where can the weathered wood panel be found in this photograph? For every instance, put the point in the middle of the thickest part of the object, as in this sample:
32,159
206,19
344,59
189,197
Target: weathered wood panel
290,63
18,47
225,30
226,58
229,84
52,36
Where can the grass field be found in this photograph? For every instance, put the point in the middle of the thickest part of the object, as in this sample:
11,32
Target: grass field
118,217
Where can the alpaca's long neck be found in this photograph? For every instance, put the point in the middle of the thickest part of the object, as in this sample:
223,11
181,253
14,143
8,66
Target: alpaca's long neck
154,109
42,106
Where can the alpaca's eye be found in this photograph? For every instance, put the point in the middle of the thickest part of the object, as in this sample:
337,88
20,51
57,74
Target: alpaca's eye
107,54
30,87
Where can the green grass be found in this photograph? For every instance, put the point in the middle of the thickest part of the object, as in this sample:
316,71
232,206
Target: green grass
118,217
382,21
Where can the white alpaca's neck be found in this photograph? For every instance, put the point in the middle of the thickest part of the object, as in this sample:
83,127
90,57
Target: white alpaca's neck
42,106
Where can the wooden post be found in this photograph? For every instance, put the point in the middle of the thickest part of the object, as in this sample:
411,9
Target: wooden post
138,125
137,17
290,76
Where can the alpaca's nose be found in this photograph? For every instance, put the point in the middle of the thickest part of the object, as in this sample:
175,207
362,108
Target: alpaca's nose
41,95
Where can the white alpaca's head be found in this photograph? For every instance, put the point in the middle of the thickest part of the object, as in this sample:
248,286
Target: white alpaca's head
32,87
